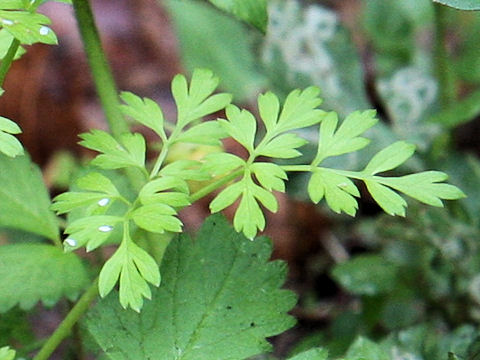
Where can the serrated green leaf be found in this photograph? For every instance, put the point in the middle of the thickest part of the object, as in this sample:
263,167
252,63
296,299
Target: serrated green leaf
196,101
389,200
95,181
24,200
312,354
461,4
425,187
28,27
339,191
270,176
346,138
206,133
6,353
156,217
366,275
91,231
130,151
253,12
33,272
227,197
135,267
390,157
249,217
154,192
145,111
299,110
241,126
265,197
68,201
226,291
269,108
282,147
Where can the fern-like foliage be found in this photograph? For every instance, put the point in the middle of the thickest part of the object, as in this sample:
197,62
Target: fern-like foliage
166,186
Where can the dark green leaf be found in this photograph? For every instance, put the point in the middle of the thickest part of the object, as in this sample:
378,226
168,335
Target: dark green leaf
33,272
24,200
219,298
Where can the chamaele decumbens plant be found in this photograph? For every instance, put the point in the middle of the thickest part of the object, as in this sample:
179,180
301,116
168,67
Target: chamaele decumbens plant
217,297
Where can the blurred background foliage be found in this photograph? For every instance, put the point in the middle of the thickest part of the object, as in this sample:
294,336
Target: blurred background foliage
410,285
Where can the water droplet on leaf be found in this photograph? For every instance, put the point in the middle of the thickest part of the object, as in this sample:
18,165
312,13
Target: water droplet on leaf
103,202
105,228
44,30
7,22
71,242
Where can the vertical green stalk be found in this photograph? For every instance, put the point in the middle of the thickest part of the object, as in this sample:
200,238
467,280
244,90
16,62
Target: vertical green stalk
102,74
67,324
8,59
443,69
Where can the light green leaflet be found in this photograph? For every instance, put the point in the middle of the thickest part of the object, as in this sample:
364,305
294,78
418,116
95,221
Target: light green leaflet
9,145
28,27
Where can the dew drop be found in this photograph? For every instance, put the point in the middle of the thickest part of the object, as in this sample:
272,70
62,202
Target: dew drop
7,22
71,242
44,30
105,228
103,202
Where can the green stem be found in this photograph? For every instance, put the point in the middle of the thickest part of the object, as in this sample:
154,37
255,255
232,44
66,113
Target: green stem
160,159
215,185
8,59
67,324
102,74
443,69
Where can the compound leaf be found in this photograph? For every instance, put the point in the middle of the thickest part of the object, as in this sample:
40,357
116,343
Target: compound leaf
195,102
135,267
24,200
28,27
33,272
219,298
